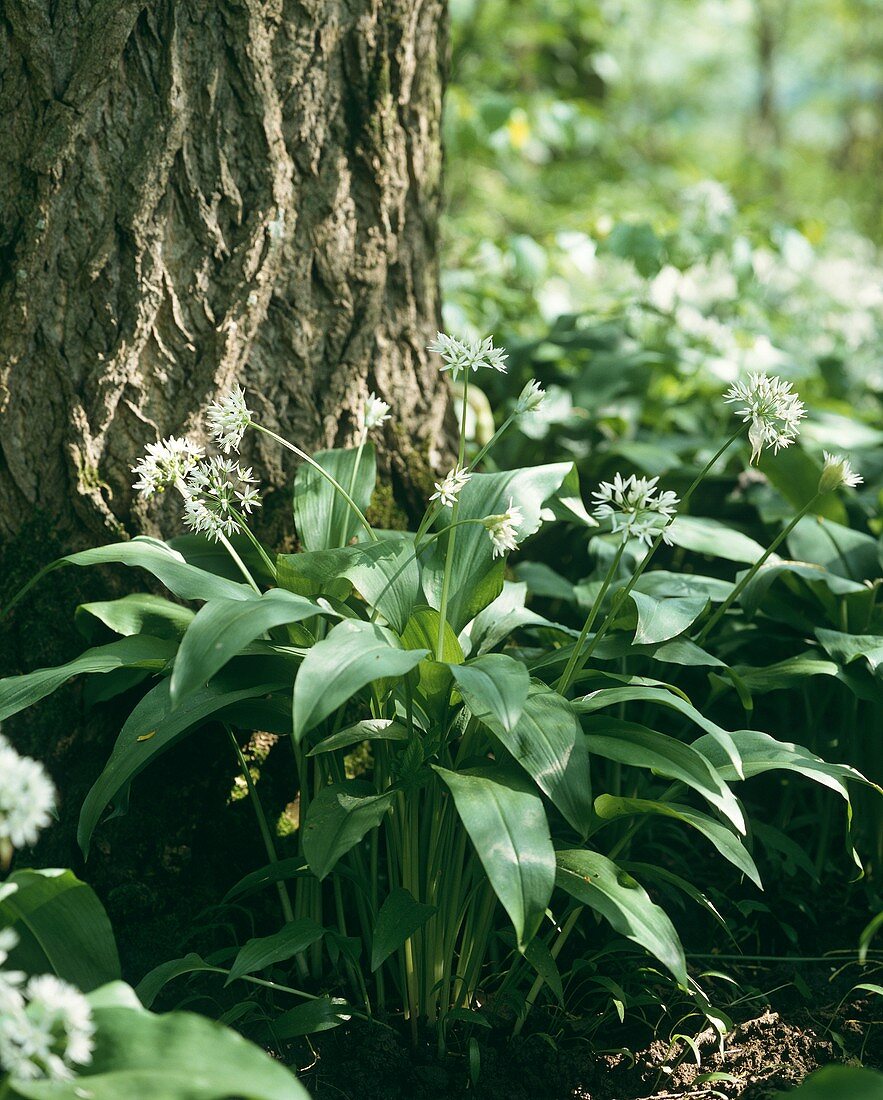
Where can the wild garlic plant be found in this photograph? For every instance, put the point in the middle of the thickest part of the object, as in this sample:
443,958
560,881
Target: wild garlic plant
449,838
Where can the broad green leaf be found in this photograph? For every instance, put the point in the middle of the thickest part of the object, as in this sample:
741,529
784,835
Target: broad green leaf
323,518
222,628
838,1083
316,572
476,578
138,613
337,819
796,475
714,539
370,729
148,989
727,843
839,549
851,647
506,614
291,940
494,687
662,585
549,744
596,881
399,918
62,928
639,747
761,753
659,620
18,692
282,869
754,593
388,577
319,1014
354,654
507,824
434,684
540,958
609,697
791,672
152,727
177,1056
167,565
542,580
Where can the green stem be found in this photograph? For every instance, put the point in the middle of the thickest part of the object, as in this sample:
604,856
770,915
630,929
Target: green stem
570,669
262,553
263,825
554,951
752,572
452,529
324,473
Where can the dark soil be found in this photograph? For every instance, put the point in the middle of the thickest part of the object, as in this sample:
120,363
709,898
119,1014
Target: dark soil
766,1053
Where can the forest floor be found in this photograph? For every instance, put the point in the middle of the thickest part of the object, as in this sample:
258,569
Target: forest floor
806,1021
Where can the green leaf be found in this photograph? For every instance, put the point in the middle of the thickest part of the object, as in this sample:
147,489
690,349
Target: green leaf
639,747
752,596
838,549
727,843
388,577
540,958
713,539
370,729
319,1014
596,881
506,614
846,648
354,654
61,925
549,744
291,940
148,989
222,628
323,518
662,584
139,613
178,1056
476,578
507,824
18,692
661,620
152,727
337,819
796,475
399,918
494,687
839,1083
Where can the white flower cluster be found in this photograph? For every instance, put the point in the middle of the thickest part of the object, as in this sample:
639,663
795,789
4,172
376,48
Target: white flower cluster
463,355
448,490
165,464
374,412
771,407
218,493
27,797
636,507
530,399
46,1025
504,529
228,418
836,472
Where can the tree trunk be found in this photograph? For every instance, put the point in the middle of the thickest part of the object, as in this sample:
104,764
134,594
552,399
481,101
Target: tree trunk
199,192
192,193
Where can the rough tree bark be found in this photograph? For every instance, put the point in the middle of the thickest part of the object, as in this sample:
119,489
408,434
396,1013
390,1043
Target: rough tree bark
194,192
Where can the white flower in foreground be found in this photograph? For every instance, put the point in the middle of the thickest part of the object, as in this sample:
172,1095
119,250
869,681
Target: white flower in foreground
636,507
8,941
530,399
468,354
165,463
374,413
836,472
448,490
228,418
772,408
503,529
219,493
27,797
47,1031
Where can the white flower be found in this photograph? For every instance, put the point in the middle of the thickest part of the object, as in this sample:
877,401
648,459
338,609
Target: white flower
374,413
636,507
530,399
503,529
27,797
227,419
448,490
468,354
8,941
218,493
165,464
836,472
773,409
46,1031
